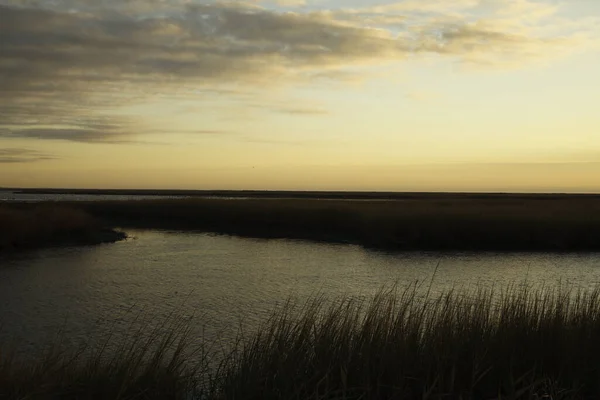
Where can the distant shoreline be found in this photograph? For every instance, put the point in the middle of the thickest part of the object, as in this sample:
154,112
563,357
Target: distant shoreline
431,223
291,194
47,225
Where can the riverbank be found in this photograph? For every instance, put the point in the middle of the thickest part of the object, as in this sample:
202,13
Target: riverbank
46,225
427,222
516,343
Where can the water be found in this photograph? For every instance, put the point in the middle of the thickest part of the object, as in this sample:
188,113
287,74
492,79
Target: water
227,282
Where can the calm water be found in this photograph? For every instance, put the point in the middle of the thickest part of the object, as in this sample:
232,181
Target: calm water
227,282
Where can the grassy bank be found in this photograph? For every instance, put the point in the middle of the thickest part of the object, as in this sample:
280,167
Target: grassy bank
458,346
145,365
515,344
34,226
451,222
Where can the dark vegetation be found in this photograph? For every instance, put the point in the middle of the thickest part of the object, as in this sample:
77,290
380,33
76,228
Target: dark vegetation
427,222
290,194
34,226
517,343
146,365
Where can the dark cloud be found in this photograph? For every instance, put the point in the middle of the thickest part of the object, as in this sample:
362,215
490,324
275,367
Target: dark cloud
62,63
46,51
76,135
50,123
17,155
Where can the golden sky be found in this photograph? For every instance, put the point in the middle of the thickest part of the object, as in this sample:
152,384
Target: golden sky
426,95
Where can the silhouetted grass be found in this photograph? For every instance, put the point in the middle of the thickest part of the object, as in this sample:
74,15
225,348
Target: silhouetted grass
25,227
147,365
516,223
517,343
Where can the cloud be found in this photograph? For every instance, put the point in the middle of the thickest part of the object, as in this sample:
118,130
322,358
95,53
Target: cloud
18,155
302,110
76,135
295,106
63,124
286,3
48,51
66,64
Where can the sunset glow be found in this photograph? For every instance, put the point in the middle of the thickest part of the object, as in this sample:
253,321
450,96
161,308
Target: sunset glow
406,95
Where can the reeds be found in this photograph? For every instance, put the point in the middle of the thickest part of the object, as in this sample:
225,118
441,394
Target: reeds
516,344
483,344
520,343
149,364
27,226
500,223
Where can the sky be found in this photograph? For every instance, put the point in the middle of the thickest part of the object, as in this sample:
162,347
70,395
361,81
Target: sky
397,95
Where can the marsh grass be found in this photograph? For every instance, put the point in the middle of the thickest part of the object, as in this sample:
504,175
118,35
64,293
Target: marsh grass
515,343
30,226
515,223
154,364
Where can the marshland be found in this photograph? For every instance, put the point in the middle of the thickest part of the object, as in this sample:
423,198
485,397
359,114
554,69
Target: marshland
23,228
518,343
299,200
434,222
429,296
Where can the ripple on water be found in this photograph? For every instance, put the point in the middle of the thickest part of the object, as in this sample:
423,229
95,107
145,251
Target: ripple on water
227,282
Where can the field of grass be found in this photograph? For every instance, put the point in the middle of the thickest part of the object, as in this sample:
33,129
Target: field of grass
146,365
425,222
33,226
515,343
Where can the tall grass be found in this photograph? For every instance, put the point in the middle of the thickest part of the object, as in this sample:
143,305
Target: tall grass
519,343
28,226
516,343
146,365
559,223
